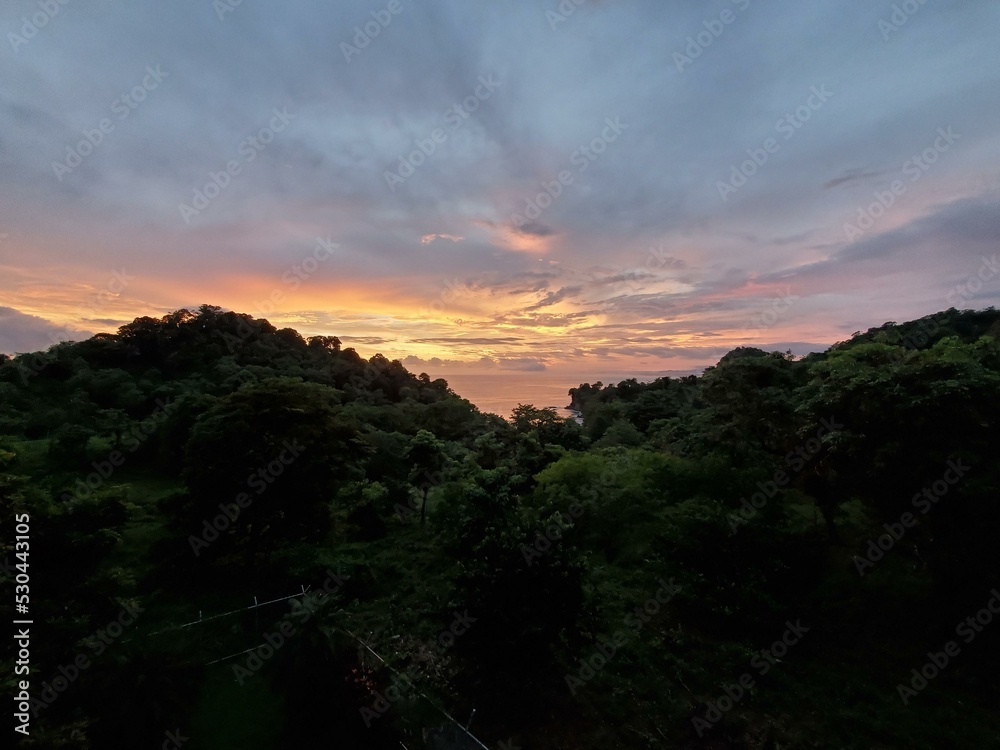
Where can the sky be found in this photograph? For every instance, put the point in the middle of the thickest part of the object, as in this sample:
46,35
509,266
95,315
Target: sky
505,187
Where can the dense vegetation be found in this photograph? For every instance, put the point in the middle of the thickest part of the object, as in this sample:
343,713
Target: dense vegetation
753,558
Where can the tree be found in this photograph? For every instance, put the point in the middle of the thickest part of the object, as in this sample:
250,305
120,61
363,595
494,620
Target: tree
427,457
69,446
547,426
114,422
324,343
525,601
283,447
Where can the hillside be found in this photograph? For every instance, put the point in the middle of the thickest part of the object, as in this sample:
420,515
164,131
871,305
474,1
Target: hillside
755,558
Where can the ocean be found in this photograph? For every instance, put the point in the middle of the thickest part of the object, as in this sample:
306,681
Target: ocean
500,392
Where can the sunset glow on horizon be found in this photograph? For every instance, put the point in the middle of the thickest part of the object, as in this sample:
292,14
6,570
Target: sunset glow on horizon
477,190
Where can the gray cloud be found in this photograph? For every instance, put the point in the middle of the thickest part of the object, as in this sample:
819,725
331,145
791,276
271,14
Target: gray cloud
554,297
466,340
536,230
585,268
850,175
20,333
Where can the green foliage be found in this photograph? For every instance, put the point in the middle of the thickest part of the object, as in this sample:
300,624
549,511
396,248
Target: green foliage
284,446
68,447
545,532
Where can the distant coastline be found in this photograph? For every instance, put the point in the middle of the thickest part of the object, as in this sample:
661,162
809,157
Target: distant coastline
500,392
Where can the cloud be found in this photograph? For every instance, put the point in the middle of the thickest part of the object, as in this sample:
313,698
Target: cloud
114,323
428,238
522,364
519,364
639,249
850,175
553,298
545,320
467,340
21,333
533,229
368,340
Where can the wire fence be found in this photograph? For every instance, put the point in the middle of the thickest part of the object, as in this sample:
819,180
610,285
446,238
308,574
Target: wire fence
206,636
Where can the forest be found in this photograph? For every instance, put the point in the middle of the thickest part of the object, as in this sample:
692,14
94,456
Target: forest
243,538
